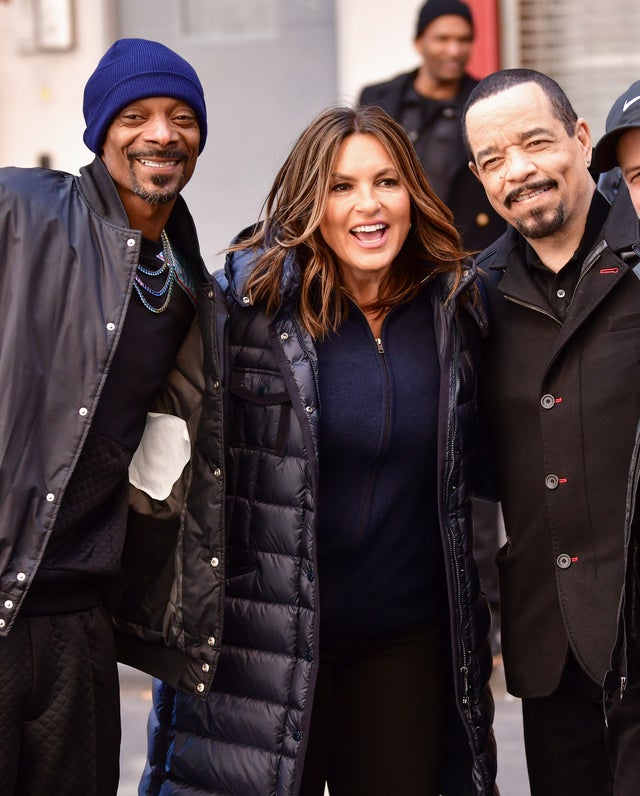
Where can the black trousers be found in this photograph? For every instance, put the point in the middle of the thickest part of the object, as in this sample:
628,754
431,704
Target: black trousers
59,707
378,715
570,749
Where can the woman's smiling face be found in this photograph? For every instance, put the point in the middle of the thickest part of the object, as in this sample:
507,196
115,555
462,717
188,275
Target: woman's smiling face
368,212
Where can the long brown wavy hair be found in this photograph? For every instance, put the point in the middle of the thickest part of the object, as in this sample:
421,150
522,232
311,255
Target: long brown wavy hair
295,206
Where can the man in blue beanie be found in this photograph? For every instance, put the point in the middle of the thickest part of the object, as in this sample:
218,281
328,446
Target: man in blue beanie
110,413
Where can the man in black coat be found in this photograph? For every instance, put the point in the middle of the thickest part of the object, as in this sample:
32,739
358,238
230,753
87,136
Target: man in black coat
562,394
428,103
617,154
106,353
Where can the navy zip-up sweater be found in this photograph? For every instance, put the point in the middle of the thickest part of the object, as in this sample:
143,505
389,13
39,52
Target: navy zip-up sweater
379,549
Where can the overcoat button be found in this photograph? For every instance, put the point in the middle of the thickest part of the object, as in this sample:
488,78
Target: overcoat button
563,561
548,401
551,482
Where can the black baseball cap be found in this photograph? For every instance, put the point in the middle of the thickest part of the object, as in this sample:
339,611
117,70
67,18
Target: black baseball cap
624,115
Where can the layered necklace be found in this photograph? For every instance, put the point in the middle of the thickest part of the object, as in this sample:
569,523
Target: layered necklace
168,267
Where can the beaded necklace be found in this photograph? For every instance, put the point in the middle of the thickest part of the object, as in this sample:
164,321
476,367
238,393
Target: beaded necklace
168,265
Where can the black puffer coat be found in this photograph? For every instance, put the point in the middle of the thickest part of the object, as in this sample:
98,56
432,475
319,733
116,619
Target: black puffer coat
249,737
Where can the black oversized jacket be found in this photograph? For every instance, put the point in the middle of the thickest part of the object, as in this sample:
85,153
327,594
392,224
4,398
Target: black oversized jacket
478,223
66,274
250,736
563,400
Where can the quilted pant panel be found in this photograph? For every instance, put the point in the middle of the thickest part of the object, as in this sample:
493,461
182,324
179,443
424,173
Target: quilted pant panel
59,711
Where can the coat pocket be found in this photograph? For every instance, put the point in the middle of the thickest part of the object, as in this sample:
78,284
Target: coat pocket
618,323
260,411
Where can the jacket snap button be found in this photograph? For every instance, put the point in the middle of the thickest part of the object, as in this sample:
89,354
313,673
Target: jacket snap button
2,623
548,401
211,641
8,604
551,482
111,326
50,497
200,687
284,336
215,561
217,472
205,667
563,561
131,242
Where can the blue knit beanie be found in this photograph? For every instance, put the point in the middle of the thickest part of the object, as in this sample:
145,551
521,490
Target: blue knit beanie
133,69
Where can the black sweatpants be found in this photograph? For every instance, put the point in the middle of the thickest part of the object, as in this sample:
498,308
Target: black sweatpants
571,750
378,715
59,707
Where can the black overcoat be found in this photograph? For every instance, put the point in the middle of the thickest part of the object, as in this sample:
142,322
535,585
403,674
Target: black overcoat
563,400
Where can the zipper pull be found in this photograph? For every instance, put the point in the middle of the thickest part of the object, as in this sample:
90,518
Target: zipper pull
379,344
464,670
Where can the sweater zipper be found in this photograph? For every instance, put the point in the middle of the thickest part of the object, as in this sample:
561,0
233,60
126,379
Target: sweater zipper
359,534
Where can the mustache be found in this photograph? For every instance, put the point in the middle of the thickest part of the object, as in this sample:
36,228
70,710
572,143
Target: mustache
166,154
527,189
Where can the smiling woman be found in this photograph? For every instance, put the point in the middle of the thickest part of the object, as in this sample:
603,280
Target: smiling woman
355,635
367,217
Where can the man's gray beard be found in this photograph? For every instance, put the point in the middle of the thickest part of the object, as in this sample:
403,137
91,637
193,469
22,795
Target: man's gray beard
537,228
159,196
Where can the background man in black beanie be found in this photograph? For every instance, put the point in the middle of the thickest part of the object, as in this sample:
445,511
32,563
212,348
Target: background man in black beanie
428,103
107,359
